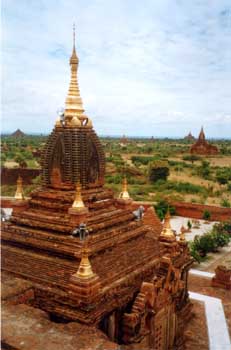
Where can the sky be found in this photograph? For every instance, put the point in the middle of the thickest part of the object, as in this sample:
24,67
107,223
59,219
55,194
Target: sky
147,68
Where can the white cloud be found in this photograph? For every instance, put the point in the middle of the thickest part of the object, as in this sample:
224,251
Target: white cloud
146,68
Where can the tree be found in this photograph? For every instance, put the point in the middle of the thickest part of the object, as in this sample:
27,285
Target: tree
158,170
191,157
189,224
225,203
206,215
223,176
204,169
162,207
20,160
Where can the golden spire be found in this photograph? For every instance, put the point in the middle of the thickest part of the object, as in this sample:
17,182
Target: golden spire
74,104
167,231
78,202
19,190
85,270
124,194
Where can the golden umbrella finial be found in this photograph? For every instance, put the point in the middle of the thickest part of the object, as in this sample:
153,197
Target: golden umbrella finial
124,194
19,191
167,230
85,269
78,202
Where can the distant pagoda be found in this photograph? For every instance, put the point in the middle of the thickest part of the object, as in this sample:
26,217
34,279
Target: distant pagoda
18,133
202,147
90,256
123,140
189,137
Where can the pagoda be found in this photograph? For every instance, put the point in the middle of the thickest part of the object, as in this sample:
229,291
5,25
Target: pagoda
90,257
189,137
18,133
201,146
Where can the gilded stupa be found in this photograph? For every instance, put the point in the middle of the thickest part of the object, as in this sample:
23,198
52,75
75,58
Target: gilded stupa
19,190
87,256
73,151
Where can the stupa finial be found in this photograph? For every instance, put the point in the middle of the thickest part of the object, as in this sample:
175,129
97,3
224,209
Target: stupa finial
74,104
19,191
124,194
85,269
78,202
167,231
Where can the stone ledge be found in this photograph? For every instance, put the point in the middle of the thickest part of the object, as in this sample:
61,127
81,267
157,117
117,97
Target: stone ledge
27,328
16,290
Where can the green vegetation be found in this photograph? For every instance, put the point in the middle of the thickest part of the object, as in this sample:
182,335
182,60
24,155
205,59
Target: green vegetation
223,176
225,203
162,207
21,150
204,169
189,224
191,157
211,241
181,176
206,215
139,160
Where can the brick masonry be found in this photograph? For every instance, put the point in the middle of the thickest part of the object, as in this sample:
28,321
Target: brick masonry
196,211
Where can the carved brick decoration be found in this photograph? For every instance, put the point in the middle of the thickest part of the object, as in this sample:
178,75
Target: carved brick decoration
71,156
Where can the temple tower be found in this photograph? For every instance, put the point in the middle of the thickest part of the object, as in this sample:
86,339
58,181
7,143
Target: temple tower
73,151
201,146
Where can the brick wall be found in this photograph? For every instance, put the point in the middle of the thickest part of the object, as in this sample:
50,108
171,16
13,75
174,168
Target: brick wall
193,210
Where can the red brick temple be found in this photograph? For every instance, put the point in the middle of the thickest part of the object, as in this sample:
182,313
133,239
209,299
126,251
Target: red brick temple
202,146
90,257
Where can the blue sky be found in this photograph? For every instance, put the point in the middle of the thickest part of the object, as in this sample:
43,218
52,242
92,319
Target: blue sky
147,67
